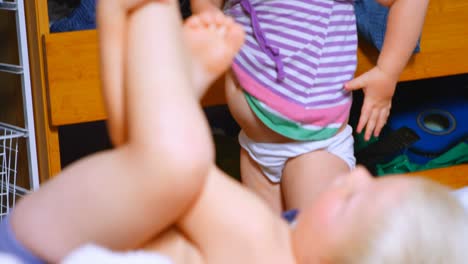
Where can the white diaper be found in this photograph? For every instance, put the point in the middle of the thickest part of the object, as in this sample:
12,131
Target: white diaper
271,157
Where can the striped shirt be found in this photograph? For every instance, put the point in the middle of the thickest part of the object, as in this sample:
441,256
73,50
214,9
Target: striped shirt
297,56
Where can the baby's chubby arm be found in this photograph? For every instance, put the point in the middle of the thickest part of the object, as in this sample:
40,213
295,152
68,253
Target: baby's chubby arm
404,26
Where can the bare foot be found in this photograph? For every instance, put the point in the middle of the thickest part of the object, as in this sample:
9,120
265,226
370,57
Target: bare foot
213,40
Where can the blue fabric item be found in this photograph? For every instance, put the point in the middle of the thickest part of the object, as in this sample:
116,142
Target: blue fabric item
9,245
371,20
290,215
82,18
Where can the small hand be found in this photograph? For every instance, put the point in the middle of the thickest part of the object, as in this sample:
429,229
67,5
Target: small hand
378,88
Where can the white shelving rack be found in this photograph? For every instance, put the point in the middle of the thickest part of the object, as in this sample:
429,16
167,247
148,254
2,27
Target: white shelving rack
9,134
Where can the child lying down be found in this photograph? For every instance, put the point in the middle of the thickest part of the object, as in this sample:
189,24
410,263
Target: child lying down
359,219
90,252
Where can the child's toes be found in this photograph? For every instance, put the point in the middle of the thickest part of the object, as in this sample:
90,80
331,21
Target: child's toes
235,35
221,30
207,18
193,22
219,18
229,21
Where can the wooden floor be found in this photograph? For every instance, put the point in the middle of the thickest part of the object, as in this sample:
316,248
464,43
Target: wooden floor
454,176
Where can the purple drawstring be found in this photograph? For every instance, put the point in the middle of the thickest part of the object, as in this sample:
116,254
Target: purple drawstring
271,51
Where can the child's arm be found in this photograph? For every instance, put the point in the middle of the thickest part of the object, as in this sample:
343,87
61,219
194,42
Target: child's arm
199,6
404,26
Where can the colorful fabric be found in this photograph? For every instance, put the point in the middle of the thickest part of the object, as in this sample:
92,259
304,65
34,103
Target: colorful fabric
296,58
401,164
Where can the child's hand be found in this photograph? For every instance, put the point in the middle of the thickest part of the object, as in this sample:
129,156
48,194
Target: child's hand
378,88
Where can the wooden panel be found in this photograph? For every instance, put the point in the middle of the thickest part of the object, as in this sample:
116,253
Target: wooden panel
47,141
454,176
443,43
72,63
73,78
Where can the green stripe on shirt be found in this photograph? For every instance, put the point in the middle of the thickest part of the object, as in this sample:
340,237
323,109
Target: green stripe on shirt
286,127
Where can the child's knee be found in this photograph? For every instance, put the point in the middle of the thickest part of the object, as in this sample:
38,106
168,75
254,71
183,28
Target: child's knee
179,154
188,174
182,172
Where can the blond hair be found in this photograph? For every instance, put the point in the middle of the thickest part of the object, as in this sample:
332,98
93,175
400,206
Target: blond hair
428,226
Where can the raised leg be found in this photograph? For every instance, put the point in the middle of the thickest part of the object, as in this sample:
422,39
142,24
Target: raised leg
119,198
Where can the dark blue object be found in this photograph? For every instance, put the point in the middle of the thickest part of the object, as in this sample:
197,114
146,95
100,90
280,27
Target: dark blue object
372,22
371,19
82,18
290,215
437,111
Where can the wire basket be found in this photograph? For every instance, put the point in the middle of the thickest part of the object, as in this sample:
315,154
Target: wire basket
9,137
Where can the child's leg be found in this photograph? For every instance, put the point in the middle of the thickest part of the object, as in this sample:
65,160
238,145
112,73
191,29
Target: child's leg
207,63
251,174
174,244
254,179
199,6
230,224
112,19
306,176
121,198
161,96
